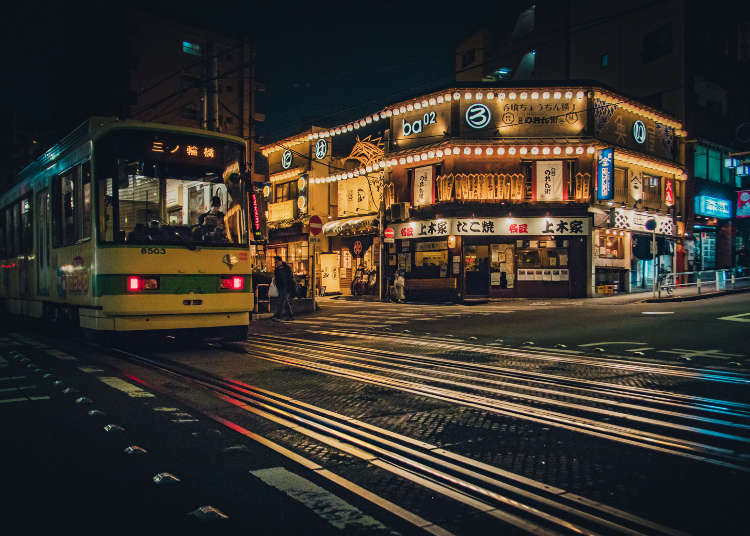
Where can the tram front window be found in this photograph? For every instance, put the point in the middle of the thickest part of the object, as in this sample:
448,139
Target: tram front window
163,202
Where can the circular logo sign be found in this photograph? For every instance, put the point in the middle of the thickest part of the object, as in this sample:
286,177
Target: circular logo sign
357,248
650,224
316,225
321,149
301,183
389,232
301,202
745,197
478,115
266,190
286,159
639,131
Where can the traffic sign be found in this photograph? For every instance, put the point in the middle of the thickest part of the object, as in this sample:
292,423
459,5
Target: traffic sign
314,239
316,225
389,232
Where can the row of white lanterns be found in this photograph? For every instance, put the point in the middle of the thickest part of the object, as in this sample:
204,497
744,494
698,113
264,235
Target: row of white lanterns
448,151
426,102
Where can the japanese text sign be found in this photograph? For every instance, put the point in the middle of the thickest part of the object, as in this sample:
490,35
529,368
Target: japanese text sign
604,167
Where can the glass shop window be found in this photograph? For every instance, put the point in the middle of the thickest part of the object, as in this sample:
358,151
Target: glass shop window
430,259
611,244
714,165
700,162
543,254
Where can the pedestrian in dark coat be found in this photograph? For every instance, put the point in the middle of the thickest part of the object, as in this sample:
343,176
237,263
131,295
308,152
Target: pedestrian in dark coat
284,280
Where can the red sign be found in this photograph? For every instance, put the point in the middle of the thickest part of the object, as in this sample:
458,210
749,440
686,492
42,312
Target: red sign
389,232
316,225
743,204
669,192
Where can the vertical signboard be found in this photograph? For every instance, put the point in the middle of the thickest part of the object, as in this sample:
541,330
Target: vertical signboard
604,170
423,187
549,182
669,192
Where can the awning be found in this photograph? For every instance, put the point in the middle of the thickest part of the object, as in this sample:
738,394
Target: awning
351,226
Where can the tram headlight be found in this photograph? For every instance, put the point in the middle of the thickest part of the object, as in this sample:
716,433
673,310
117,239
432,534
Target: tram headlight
138,283
236,282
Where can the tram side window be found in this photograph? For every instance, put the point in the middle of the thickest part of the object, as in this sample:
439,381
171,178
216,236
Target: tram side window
3,253
86,200
9,232
16,207
26,229
105,203
64,209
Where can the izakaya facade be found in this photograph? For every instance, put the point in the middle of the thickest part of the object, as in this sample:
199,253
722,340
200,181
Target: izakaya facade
518,191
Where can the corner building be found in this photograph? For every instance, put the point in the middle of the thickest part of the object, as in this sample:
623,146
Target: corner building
533,191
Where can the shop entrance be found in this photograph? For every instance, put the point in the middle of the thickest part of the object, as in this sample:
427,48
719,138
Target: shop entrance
477,270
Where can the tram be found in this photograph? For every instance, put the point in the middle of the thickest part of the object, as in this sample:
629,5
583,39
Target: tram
127,226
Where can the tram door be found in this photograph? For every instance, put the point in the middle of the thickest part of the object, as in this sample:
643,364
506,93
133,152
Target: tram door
42,210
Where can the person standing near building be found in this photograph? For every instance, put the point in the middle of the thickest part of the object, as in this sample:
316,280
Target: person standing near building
284,280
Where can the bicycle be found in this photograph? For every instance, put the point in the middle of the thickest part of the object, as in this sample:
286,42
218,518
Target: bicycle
660,284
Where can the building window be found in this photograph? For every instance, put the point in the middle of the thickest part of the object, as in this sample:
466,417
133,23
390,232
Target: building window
657,43
468,57
700,162
605,60
621,184
285,191
651,190
191,48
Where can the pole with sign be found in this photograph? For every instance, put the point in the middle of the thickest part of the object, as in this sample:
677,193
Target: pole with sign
651,226
316,226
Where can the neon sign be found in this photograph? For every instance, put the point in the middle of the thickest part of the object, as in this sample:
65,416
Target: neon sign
713,206
604,166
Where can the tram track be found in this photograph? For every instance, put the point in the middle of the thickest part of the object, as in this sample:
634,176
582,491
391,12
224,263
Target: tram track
523,503
623,365
422,381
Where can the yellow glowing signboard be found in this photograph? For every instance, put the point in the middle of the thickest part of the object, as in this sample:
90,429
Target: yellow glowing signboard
193,151
281,211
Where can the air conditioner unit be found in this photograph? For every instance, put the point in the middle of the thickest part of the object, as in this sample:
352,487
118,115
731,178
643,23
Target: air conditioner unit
399,211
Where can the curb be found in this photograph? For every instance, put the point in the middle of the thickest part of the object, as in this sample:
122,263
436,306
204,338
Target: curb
698,296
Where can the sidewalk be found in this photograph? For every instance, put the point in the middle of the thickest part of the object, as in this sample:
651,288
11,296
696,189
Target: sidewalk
691,293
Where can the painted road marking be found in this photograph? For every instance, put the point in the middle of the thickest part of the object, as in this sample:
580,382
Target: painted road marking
90,370
19,388
742,317
22,399
131,390
640,349
713,354
611,342
8,378
325,504
657,312
61,355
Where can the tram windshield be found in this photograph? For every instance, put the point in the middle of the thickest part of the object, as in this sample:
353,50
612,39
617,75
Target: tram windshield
169,189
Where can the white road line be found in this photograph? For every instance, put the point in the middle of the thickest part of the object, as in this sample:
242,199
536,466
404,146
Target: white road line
9,378
611,342
325,504
736,318
657,312
61,355
131,390
23,399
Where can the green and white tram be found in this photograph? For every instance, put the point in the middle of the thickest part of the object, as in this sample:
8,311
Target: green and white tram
127,226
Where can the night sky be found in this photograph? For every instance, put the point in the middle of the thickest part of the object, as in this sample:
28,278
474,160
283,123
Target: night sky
323,63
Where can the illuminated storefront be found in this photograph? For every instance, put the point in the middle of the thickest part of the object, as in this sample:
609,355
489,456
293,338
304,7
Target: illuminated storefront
502,192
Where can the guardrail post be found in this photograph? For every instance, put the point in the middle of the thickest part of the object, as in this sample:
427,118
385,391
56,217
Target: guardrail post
698,283
733,279
718,280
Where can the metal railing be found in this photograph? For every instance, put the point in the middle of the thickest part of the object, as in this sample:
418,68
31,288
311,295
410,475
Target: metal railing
703,280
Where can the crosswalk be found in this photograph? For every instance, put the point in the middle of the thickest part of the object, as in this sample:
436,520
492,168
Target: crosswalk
390,316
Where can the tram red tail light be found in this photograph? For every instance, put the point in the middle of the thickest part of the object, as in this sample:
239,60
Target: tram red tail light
137,283
236,282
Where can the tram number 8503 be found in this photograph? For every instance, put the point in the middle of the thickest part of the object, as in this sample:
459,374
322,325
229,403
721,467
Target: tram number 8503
153,251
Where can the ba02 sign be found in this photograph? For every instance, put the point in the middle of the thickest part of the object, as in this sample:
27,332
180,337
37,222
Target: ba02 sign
415,127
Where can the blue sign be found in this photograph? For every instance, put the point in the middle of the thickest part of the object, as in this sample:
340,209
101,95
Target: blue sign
604,169
713,206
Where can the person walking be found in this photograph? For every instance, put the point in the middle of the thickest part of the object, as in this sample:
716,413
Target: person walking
284,280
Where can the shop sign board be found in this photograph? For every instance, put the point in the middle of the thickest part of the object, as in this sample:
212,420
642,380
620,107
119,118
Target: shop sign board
636,221
524,115
423,188
604,165
669,192
552,226
549,182
743,204
283,210
627,129
713,206
329,272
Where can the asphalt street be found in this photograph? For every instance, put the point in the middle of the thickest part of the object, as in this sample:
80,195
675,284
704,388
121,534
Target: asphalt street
513,417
